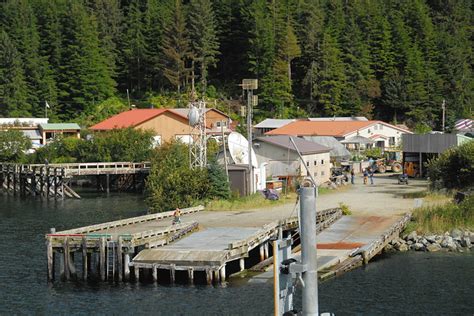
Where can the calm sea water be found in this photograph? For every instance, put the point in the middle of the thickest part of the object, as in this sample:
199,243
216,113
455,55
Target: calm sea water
399,284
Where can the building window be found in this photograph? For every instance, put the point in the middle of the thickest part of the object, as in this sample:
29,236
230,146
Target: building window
375,127
391,141
315,174
322,161
307,163
322,173
315,162
218,123
381,126
368,131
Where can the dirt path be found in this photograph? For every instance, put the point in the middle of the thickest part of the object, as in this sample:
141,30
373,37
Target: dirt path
386,197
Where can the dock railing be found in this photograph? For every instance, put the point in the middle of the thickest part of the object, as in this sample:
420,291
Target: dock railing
96,168
129,221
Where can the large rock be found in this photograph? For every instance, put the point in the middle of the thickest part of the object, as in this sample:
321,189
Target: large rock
424,241
433,247
388,248
456,233
466,242
431,238
447,240
418,246
412,236
403,247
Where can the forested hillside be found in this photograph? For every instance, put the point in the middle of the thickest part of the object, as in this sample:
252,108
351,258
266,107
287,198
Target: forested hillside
389,59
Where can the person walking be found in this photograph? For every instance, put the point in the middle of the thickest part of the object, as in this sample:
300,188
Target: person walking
352,176
366,175
371,176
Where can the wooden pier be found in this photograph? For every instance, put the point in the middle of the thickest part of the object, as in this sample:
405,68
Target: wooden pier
54,180
104,250
154,250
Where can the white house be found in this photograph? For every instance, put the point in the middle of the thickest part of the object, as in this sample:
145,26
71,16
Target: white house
282,160
383,134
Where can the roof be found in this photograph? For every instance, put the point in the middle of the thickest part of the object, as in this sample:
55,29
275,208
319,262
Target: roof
304,146
337,149
32,134
464,125
326,128
59,126
30,120
274,123
378,136
345,118
130,118
185,111
357,140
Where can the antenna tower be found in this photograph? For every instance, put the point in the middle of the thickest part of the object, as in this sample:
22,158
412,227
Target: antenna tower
198,145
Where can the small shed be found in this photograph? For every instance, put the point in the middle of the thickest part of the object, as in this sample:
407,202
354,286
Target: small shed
418,149
51,130
239,179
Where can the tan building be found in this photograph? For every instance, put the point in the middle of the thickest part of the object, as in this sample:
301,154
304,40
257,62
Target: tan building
166,125
215,119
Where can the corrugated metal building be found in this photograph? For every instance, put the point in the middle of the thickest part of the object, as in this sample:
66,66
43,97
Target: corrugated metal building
419,149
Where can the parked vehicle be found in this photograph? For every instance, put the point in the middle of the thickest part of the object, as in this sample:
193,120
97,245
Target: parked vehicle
403,179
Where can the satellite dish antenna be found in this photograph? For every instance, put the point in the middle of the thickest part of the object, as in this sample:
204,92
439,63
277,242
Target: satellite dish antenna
239,149
193,116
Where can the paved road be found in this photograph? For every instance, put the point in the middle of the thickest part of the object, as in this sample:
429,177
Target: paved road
385,198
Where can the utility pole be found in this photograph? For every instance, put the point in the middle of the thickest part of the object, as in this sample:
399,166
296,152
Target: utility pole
443,106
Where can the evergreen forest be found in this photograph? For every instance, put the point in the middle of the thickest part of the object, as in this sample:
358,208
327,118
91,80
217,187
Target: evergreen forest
395,60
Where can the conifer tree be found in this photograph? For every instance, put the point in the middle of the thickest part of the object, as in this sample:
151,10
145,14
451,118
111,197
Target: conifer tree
203,36
175,48
22,28
13,89
85,76
134,48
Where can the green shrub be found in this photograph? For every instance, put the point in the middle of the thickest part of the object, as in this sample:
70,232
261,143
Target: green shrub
345,209
13,146
116,145
375,152
172,183
453,169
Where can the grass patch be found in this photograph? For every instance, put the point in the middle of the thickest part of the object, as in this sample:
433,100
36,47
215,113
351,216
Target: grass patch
345,209
256,201
443,217
249,202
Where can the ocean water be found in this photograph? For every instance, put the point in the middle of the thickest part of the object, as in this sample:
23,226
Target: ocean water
396,284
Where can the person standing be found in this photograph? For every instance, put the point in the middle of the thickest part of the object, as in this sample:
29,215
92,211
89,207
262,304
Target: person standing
352,176
371,176
177,216
366,175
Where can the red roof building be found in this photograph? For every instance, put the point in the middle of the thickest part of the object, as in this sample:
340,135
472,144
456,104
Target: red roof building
384,134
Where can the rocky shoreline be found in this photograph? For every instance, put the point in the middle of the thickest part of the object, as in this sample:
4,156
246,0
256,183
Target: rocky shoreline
456,241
